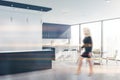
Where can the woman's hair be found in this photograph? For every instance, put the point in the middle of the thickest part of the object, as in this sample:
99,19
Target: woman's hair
86,31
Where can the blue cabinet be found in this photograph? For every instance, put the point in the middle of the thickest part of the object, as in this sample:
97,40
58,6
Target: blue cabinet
56,31
19,62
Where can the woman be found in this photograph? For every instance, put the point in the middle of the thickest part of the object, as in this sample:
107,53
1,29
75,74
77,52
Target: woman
87,53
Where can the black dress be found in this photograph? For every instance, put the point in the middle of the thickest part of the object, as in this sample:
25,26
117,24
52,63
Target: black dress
88,47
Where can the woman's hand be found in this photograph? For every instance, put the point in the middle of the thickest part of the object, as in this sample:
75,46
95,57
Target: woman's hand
90,54
80,49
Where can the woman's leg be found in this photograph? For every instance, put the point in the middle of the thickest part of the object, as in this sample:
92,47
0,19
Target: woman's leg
79,65
90,66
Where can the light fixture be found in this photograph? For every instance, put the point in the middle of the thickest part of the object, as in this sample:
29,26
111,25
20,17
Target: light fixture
11,19
24,6
27,21
108,1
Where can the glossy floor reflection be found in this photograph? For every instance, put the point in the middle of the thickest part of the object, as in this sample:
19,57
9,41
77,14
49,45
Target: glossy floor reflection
66,71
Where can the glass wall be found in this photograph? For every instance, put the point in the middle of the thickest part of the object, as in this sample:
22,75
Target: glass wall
95,30
111,37
105,36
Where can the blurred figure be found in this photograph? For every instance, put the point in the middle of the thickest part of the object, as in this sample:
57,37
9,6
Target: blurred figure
87,53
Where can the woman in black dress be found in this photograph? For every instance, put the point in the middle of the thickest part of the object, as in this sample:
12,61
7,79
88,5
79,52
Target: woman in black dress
87,53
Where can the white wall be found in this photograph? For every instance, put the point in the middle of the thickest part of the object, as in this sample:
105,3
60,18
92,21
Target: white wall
74,35
20,30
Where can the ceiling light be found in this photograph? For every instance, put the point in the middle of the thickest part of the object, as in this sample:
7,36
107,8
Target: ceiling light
24,6
108,1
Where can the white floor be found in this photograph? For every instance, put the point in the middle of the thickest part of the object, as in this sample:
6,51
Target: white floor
66,71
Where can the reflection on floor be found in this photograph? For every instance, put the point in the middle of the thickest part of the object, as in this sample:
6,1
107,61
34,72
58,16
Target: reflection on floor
66,71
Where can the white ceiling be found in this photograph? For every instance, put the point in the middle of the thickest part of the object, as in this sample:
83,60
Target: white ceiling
76,11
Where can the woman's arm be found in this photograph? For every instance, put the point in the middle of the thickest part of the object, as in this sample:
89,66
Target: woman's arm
83,46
